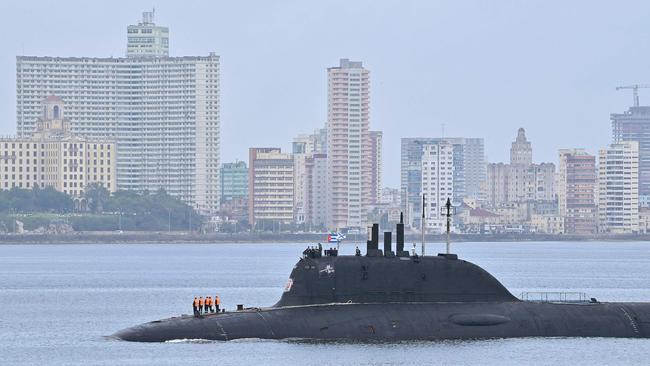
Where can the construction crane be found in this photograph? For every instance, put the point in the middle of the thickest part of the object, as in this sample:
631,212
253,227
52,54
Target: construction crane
635,91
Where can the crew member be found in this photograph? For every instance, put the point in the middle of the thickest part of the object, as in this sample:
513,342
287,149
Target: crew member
217,302
201,304
211,304
195,306
206,308
357,252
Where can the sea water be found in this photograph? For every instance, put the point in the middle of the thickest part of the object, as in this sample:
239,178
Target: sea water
58,303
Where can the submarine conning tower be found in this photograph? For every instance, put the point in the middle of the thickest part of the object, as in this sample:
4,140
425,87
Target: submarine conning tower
389,277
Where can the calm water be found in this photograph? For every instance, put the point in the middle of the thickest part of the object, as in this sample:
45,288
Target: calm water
57,302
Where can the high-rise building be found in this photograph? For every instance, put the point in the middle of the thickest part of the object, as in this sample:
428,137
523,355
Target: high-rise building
521,151
146,39
348,145
634,125
469,171
54,157
163,113
316,190
234,181
375,166
305,147
576,191
521,180
618,188
270,188
437,182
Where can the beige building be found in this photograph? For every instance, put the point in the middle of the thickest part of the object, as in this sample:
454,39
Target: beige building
54,157
576,191
548,224
376,142
348,145
521,180
618,186
270,188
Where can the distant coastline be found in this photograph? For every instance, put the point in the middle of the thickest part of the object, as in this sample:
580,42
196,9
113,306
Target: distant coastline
140,237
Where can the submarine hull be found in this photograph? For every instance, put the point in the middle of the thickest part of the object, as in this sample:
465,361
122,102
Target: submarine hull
398,321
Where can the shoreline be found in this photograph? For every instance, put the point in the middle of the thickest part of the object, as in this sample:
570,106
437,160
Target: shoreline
219,238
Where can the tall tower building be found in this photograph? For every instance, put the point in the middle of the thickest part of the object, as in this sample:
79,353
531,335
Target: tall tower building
521,180
634,125
618,188
162,112
146,39
348,145
437,182
576,191
469,171
375,166
521,152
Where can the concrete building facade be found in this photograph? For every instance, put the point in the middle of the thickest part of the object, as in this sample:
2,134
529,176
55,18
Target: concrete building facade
577,184
618,188
146,39
270,188
163,113
437,182
521,180
469,172
348,145
54,157
376,169
234,181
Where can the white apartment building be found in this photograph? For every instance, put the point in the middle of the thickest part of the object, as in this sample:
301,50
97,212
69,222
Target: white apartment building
163,113
348,145
270,188
54,157
146,39
437,183
316,192
618,188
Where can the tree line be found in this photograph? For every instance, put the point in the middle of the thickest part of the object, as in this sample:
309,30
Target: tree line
98,209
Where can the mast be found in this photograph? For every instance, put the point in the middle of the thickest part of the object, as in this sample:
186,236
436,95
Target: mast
423,221
448,206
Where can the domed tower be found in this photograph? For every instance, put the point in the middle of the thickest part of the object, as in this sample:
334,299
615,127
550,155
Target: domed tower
52,120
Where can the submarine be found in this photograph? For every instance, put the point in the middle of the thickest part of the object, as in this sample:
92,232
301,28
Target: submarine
388,295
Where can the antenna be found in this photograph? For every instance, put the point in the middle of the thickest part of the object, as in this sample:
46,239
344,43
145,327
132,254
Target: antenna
448,210
424,205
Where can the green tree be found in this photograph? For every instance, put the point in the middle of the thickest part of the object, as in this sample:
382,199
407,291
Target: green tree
96,195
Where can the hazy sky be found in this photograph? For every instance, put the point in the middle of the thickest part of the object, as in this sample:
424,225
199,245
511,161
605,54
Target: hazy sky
482,68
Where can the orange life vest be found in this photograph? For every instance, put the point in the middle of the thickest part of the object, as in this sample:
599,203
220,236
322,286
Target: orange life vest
196,302
201,302
208,301
216,300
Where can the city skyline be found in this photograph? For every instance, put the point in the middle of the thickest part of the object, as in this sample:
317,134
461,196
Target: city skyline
579,91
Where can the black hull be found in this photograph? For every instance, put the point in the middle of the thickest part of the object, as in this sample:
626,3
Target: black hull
413,321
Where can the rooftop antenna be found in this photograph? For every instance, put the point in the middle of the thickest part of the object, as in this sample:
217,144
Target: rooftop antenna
424,204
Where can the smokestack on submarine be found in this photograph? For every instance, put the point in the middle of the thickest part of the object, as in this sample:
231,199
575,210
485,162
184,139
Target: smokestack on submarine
388,242
372,245
399,250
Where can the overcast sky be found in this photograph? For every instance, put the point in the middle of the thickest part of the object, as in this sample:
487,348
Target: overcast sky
481,68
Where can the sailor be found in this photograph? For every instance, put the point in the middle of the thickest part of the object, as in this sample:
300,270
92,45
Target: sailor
201,304
216,302
357,252
206,309
195,306
211,305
